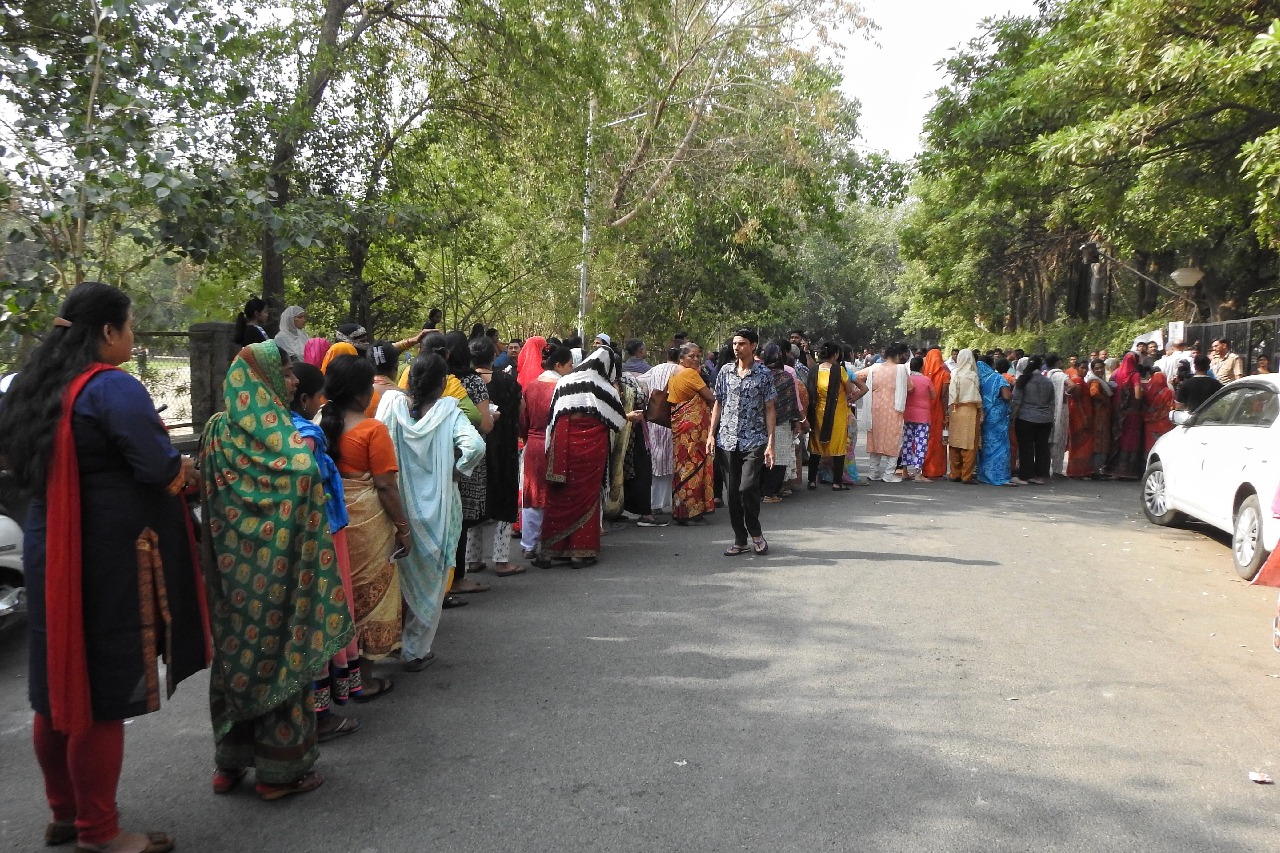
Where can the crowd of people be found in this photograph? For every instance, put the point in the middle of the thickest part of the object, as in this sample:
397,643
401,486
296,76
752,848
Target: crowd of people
352,489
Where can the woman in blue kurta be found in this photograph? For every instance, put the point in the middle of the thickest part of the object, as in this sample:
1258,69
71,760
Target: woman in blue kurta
993,455
109,558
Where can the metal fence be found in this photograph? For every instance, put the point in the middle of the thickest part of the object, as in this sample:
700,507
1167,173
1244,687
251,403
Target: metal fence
1250,338
161,361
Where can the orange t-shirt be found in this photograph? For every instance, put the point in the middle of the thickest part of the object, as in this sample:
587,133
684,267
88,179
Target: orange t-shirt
367,447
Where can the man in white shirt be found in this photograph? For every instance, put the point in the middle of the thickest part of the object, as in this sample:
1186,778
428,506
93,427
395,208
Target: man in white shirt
1169,364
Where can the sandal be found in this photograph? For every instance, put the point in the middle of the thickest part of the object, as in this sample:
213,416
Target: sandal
771,499
506,573
157,842
346,726
59,832
385,686
813,487
761,545
735,550
453,601
476,567
468,590
224,782
306,784
839,487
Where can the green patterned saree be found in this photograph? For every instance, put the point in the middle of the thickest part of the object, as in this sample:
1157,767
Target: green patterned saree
277,605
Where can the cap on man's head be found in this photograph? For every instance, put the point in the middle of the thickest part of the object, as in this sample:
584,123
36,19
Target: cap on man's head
748,334
608,341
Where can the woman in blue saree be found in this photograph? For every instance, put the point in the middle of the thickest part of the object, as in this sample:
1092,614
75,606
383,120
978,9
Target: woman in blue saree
993,455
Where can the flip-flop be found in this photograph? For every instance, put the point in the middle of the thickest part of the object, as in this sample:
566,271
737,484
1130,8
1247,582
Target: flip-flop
419,664
225,781
306,784
514,570
480,587
348,726
453,601
735,550
762,547
385,686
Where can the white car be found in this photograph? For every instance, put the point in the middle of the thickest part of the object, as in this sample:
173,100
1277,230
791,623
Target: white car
1221,465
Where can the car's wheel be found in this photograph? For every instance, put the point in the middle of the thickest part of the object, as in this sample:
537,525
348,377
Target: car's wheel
1246,538
1155,497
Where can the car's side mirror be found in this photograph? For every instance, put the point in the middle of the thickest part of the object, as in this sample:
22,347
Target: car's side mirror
1180,417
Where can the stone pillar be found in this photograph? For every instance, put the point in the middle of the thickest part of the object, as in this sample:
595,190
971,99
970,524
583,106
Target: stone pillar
212,350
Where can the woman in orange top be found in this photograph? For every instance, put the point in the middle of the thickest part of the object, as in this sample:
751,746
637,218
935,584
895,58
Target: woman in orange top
362,449
1157,403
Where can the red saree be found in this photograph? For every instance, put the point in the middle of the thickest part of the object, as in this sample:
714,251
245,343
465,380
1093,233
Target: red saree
1157,403
935,457
1079,428
575,472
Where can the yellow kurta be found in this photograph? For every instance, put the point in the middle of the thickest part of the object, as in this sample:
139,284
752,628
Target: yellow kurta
839,442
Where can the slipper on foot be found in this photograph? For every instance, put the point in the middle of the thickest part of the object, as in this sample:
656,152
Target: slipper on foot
306,784
419,664
506,573
760,546
157,842
347,726
225,781
453,601
385,686
735,550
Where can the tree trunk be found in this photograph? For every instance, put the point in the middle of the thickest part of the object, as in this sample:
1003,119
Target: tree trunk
1097,292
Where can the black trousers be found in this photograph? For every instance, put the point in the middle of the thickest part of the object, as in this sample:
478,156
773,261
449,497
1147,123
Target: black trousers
1033,448
837,468
772,479
742,482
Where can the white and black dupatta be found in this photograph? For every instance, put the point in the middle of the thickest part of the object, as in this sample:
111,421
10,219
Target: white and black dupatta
588,390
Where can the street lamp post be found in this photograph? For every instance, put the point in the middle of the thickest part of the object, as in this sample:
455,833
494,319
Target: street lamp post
1185,277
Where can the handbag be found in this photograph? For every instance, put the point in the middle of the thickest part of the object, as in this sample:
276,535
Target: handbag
659,409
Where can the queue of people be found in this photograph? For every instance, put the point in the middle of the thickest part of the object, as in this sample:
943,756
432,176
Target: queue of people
349,490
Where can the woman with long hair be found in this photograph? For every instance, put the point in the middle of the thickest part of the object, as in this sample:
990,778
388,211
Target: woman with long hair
993,456
361,448
1034,401
251,323
585,409
474,489
787,412
502,462
104,530
435,446
557,361
831,392
333,684
277,603
1126,419
916,419
693,482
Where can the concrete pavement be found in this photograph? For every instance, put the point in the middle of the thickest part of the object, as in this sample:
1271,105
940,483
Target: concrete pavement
913,667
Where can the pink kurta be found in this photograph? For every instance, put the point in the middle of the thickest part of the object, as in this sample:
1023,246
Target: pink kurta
885,435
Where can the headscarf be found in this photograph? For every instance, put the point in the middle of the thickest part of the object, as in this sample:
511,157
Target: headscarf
352,333
279,608
588,390
991,384
1090,376
342,348
965,384
1127,372
314,352
1021,367
529,362
335,506
290,338
936,369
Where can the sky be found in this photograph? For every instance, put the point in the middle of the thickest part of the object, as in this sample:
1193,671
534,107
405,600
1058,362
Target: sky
896,80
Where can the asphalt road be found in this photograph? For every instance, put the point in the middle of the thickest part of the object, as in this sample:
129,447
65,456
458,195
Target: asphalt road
913,667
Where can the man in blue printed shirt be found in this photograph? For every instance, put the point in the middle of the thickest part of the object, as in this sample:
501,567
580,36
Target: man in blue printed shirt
742,422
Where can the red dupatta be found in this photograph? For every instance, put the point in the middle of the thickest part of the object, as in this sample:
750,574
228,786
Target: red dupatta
68,667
